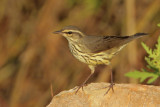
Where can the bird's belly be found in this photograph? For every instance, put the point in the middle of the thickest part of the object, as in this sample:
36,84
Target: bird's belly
103,57
94,59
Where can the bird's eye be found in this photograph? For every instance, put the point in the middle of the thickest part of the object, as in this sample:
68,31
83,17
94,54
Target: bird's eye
69,32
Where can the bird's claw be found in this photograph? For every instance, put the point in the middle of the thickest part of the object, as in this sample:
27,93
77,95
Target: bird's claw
79,87
110,87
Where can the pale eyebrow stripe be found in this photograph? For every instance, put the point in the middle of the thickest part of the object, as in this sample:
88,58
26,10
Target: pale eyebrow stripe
74,31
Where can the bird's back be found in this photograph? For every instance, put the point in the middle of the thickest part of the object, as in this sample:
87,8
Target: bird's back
95,50
94,44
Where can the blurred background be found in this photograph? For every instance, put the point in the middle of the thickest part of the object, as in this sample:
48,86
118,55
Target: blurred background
32,58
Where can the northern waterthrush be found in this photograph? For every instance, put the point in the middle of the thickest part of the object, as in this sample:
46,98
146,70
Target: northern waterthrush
94,50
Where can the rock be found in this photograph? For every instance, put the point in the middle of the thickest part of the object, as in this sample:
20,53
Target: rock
124,95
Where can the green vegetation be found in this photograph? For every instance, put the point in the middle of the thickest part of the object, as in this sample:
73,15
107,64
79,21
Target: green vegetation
153,61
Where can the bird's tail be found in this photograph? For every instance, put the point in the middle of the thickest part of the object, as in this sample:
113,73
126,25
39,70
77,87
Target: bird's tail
139,34
132,37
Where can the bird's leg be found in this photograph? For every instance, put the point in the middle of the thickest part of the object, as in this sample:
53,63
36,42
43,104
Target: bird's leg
111,84
81,86
92,71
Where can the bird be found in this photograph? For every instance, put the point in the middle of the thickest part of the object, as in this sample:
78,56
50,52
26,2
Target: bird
94,50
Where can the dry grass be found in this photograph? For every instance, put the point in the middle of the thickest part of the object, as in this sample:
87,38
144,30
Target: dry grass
32,58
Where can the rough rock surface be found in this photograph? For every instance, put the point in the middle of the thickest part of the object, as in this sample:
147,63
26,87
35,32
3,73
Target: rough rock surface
124,95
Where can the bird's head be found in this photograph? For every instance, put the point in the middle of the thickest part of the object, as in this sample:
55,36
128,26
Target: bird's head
71,33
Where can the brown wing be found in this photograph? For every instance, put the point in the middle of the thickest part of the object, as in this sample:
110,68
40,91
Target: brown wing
95,44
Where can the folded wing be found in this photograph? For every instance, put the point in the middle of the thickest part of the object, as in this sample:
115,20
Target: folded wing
95,44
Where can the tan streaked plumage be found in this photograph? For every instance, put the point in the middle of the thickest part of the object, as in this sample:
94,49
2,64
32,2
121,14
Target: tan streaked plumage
94,50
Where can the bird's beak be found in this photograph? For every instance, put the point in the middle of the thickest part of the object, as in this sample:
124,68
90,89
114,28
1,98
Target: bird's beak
58,32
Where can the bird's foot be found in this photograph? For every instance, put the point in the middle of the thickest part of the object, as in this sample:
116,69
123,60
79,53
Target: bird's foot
79,87
110,87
